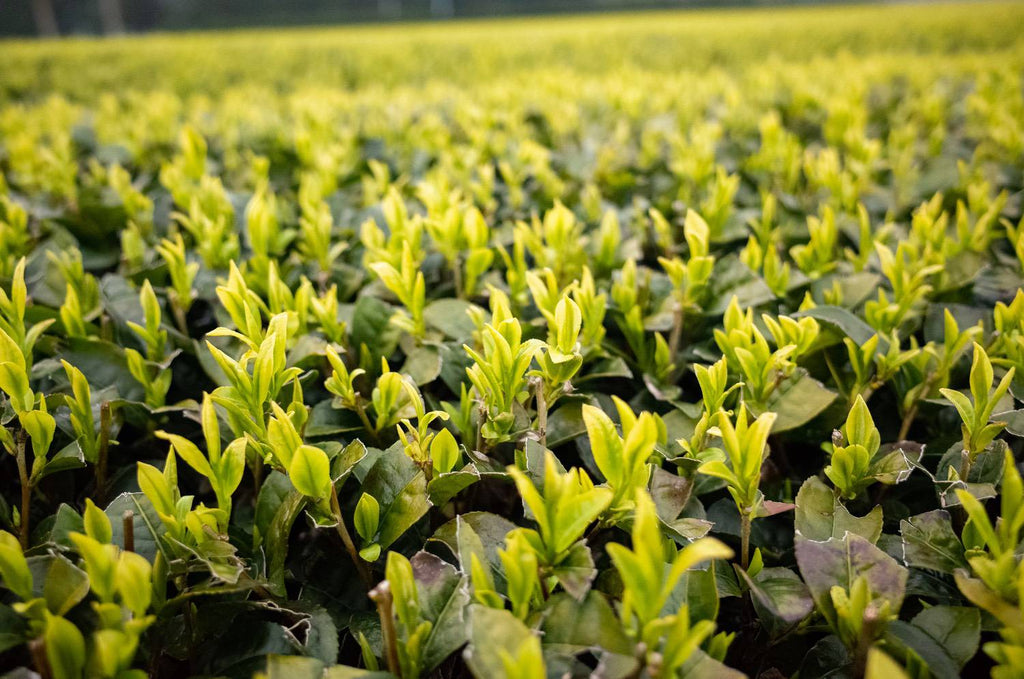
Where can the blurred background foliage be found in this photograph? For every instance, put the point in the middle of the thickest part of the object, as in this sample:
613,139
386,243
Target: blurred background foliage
658,43
47,17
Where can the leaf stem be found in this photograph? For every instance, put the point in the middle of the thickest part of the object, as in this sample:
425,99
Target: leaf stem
346,538
481,412
101,455
965,464
457,278
837,377
381,595
128,529
257,477
908,419
37,647
676,337
745,538
179,313
863,647
365,419
866,393
542,411
26,489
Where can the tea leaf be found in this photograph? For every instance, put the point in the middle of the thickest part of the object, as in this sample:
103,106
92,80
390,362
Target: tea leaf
929,542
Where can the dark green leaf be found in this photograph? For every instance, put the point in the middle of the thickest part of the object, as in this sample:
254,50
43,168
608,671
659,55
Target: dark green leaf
371,327
820,515
576,570
780,598
1014,420
957,629
401,489
346,460
845,322
829,659
12,629
604,369
732,277
697,589
275,540
902,634
572,626
451,317
797,401
480,533
839,561
566,423
64,584
423,365
444,487
444,597
64,522
930,542
103,364
326,420
147,528
68,457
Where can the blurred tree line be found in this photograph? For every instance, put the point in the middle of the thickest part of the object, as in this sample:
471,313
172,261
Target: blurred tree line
66,17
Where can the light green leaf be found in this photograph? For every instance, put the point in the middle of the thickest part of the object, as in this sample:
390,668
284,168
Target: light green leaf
189,452
65,648
310,472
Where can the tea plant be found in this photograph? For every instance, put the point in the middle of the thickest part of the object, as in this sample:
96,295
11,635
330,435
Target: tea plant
668,345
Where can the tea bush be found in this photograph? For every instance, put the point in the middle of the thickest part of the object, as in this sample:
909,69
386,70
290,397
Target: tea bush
664,345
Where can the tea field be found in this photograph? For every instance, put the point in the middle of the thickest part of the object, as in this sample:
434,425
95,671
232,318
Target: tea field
646,345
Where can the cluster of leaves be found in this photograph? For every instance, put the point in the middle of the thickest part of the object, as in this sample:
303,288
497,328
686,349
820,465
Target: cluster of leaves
563,375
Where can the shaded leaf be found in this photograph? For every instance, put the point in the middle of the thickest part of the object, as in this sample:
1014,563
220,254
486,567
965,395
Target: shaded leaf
930,542
147,528
451,316
902,634
576,570
444,597
565,424
61,583
326,420
839,561
401,490
797,401
827,658
957,629
780,598
845,322
698,589
492,631
371,327
820,515
423,365
444,487
572,626
12,629
480,533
